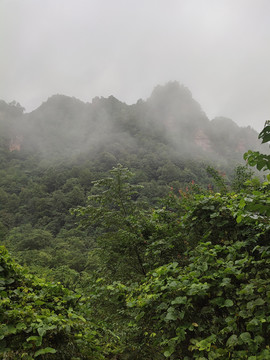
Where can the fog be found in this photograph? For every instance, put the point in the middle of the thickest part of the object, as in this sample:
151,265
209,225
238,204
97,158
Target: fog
86,48
170,126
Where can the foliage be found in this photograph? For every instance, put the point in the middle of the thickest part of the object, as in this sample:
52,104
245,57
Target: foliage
217,306
218,179
242,174
117,216
171,269
255,158
40,320
131,239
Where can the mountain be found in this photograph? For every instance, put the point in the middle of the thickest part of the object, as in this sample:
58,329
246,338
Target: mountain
51,156
139,249
169,121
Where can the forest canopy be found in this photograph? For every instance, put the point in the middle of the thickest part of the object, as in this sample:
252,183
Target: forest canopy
149,242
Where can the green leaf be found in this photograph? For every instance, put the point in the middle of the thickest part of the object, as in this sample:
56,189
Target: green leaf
47,350
239,218
163,306
228,303
168,352
41,331
179,300
252,324
21,326
257,302
232,341
245,337
258,339
36,339
171,314
39,302
242,203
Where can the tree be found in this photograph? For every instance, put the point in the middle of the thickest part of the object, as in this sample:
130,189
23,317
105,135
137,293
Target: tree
241,174
255,158
40,319
116,217
216,306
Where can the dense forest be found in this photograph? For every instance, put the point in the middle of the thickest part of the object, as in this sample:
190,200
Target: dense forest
133,231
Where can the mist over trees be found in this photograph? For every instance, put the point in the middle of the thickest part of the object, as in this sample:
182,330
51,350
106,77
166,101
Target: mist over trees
50,157
170,118
147,225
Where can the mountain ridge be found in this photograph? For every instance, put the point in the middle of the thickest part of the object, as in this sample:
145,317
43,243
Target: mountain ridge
66,126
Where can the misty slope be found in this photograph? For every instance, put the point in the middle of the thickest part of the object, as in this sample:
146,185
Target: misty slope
51,156
170,121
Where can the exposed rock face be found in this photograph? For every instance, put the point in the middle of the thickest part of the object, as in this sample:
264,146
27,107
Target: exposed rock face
241,148
169,119
15,143
202,140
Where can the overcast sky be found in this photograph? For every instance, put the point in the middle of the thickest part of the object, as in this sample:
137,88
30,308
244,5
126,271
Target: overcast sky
219,49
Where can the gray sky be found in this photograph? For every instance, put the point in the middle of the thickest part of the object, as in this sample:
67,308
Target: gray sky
219,49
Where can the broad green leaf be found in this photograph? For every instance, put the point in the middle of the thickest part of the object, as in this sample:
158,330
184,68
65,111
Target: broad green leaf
242,203
168,352
239,218
259,302
41,331
179,300
232,341
47,350
228,303
245,337
36,339
171,316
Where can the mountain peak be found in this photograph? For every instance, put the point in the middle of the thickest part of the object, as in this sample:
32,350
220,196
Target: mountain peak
170,90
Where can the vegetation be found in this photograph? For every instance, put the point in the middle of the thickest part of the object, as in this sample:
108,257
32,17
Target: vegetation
41,319
169,259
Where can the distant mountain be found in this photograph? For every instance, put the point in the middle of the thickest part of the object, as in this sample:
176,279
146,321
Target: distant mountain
169,120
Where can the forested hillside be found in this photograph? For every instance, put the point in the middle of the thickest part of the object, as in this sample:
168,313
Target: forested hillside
170,122
49,157
150,232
